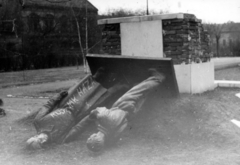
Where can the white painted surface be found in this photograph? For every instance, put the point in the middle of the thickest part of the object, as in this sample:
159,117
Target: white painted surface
236,122
224,83
202,76
141,18
238,95
195,78
225,62
183,76
142,39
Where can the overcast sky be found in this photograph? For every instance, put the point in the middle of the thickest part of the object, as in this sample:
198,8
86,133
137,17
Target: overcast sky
211,11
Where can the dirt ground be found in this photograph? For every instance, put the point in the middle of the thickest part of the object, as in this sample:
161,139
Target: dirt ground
189,130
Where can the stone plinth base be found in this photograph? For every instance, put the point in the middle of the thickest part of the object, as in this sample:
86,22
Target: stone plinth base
195,78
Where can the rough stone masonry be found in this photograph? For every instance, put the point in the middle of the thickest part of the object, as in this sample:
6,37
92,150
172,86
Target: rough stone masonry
184,40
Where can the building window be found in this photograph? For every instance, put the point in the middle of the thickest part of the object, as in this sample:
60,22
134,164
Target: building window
64,23
33,22
230,42
224,42
49,22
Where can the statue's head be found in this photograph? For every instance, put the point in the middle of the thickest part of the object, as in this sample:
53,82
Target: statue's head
96,142
37,141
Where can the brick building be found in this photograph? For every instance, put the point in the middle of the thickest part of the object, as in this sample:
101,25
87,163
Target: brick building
230,33
230,39
44,33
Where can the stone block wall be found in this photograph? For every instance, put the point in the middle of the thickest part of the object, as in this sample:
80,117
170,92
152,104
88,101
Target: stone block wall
184,40
111,40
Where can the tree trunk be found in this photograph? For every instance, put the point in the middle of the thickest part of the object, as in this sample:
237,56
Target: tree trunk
79,40
217,45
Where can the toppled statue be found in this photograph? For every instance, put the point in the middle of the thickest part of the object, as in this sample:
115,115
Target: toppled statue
61,113
110,122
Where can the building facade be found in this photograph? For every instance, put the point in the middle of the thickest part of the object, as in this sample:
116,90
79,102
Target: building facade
45,33
230,39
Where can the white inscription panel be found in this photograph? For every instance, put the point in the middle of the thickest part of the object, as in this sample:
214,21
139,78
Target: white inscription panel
142,39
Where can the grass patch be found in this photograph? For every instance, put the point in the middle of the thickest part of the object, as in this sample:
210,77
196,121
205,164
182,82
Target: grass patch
22,78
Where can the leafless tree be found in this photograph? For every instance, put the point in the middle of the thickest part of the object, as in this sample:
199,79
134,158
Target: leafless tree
79,37
86,70
215,31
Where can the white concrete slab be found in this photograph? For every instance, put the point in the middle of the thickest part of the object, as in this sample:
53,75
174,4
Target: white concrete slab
141,18
236,122
142,39
238,95
195,78
225,62
225,83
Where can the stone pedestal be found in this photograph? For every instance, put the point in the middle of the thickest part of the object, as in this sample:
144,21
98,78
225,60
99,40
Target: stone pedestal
180,37
195,78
